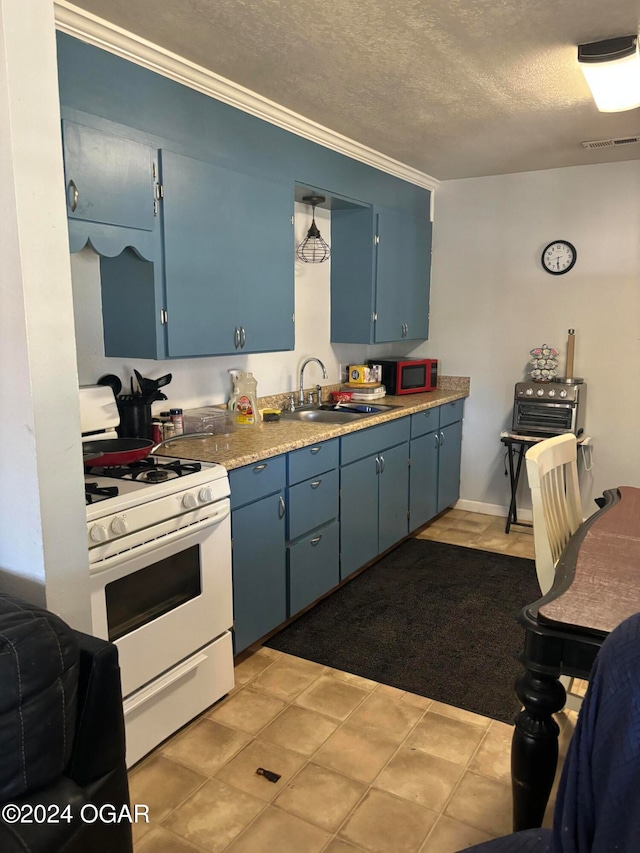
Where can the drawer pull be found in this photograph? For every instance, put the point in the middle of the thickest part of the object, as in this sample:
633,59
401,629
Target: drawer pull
281,507
259,468
382,463
315,484
315,449
315,541
427,414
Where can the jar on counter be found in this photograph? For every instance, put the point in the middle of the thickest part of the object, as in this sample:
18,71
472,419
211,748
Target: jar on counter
177,419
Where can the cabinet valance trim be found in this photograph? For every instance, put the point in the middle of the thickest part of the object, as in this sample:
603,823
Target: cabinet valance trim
107,36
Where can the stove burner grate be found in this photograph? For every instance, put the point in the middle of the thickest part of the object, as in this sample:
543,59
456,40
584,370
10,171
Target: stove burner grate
148,470
94,493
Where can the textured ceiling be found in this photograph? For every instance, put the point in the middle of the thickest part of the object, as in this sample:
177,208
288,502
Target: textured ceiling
454,88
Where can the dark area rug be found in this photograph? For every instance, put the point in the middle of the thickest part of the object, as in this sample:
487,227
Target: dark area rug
435,619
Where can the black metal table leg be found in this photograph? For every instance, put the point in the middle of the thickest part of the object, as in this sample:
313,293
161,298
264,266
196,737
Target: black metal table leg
514,479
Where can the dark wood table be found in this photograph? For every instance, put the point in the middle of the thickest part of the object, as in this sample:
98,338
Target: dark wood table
597,586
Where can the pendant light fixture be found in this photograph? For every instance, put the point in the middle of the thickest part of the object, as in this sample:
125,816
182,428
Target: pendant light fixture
313,249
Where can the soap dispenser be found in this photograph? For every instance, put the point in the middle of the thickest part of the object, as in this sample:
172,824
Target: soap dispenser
246,406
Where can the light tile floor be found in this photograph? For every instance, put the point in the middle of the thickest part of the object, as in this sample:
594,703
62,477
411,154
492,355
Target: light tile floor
363,766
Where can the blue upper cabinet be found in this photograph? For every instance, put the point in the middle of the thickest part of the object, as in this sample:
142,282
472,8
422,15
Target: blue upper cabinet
380,275
228,253
110,186
403,274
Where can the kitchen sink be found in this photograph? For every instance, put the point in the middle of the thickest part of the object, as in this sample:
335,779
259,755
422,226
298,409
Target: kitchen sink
345,414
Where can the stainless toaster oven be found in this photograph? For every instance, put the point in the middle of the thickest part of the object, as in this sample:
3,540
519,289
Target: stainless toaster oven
549,408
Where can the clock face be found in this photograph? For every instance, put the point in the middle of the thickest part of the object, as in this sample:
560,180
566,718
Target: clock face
558,257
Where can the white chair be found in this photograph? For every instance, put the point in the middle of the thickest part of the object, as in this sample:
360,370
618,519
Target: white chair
552,470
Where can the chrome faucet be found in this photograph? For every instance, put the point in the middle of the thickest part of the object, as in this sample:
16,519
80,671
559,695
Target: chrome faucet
304,364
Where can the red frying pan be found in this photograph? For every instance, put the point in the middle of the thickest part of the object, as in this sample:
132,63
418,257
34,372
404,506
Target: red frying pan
115,451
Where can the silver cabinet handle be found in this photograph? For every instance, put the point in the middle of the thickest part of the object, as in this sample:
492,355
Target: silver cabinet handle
315,449
315,541
315,484
243,337
437,444
381,463
427,414
281,507
377,464
75,195
441,439
236,337
260,467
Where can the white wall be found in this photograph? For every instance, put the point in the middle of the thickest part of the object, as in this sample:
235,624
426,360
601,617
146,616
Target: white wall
199,381
43,554
492,302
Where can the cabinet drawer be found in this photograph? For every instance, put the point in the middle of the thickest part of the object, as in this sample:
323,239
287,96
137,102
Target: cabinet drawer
313,567
368,441
310,461
451,412
424,422
312,502
257,480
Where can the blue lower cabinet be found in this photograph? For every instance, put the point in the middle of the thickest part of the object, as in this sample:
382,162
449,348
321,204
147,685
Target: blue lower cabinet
258,518
374,504
312,503
423,491
435,463
313,566
449,465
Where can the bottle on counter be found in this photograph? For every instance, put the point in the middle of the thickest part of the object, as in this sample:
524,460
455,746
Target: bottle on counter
246,406
177,419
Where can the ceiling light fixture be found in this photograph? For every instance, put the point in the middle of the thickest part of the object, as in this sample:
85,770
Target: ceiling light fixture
612,70
313,249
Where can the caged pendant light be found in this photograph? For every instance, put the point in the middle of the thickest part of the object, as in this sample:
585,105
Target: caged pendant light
313,249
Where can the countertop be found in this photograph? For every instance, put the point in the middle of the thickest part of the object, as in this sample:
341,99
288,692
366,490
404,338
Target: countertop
251,444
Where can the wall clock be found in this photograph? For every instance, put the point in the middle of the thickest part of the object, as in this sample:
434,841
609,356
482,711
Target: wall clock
558,257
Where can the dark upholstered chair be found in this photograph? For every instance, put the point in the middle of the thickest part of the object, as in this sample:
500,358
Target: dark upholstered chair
61,736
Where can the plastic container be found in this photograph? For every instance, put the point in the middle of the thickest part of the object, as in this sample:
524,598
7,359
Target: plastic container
209,419
246,407
233,399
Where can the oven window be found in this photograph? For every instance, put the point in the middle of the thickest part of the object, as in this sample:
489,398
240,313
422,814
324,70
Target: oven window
544,417
145,595
414,377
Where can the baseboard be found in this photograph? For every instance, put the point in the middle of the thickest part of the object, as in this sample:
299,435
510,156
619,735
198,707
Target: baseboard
491,509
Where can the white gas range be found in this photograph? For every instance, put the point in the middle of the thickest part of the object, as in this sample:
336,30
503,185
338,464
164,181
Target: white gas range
159,540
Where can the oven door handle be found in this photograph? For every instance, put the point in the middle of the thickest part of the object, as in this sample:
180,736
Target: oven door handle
161,684
115,559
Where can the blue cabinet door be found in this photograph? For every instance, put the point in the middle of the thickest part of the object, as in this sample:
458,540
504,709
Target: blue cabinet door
313,566
393,521
259,569
403,267
358,514
228,250
108,179
423,491
450,452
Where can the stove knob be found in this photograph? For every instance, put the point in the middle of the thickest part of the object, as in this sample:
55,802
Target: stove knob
529,392
540,392
206,494
119,525
98,533
552,393
189,501
563,394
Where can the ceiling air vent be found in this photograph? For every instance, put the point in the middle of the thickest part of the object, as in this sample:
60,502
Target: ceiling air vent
611,143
